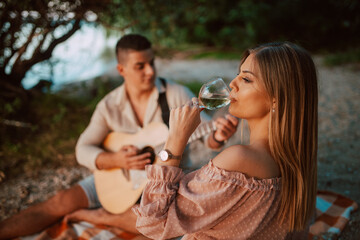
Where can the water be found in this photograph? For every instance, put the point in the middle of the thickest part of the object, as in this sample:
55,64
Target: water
85,55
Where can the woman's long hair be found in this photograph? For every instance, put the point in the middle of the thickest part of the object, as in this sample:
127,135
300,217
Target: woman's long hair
289,77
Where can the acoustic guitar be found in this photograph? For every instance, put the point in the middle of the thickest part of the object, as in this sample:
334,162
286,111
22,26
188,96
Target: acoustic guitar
119,189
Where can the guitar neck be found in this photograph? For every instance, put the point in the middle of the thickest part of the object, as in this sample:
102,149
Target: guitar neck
202,130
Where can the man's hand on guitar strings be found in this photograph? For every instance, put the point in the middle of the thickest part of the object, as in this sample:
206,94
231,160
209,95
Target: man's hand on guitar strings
128,157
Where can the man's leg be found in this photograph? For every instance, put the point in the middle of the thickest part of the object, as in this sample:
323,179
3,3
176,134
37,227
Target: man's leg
39,216
126,221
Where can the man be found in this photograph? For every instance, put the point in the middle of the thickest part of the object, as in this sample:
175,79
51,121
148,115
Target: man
128,108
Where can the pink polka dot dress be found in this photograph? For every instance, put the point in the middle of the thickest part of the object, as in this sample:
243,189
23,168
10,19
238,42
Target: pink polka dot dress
210,203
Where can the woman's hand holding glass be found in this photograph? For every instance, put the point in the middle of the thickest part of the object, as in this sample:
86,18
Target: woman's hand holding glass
183,122
185,119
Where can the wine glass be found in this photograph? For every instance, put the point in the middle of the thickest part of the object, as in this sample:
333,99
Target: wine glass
214,94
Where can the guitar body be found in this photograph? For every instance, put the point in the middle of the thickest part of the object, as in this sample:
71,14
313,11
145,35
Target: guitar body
116,190
116,201
119,189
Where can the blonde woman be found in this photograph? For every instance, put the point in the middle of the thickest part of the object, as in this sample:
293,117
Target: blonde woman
264,190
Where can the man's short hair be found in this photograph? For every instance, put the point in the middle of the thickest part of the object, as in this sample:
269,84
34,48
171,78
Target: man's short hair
134,42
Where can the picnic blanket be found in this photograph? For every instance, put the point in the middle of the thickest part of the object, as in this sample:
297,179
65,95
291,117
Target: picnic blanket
83,231
332,214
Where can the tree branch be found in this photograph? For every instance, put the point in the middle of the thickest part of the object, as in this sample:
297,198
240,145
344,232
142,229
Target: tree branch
21,50
44,33
40,56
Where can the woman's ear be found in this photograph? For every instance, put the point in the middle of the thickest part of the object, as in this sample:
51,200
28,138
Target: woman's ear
273,107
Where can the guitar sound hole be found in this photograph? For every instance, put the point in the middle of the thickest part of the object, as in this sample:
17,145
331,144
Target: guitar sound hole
151,151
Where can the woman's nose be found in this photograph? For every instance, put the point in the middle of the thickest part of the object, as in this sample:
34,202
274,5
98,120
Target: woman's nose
231,85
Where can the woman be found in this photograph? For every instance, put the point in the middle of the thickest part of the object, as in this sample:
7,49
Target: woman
264,190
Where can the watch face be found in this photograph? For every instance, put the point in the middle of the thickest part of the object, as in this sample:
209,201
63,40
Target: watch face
164,155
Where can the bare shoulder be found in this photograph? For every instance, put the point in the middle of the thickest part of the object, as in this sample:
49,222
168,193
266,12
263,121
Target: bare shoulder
252,161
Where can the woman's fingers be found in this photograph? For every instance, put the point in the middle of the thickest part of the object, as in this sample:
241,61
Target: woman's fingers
195,101
184,119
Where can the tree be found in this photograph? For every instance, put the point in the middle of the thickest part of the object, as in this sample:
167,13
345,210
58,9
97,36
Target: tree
30,30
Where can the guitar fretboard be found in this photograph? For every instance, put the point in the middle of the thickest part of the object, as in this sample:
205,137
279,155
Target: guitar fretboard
202,130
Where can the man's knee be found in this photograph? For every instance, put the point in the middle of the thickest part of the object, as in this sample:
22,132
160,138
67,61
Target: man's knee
68,200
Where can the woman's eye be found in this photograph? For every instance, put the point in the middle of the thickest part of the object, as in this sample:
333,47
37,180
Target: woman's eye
246,80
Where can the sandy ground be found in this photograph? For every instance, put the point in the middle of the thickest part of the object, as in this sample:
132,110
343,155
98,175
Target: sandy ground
339,134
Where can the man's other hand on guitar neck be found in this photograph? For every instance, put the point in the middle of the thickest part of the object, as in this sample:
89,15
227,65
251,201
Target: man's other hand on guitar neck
225,129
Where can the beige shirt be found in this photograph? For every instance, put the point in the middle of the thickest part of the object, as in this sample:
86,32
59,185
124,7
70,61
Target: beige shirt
210,203
114,113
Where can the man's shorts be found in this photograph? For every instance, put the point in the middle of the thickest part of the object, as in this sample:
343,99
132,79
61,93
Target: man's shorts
88,185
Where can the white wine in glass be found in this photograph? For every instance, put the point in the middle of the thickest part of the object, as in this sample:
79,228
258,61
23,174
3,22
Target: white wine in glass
214,94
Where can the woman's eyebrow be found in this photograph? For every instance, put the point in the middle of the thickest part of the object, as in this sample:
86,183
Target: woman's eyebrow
250,72
247,71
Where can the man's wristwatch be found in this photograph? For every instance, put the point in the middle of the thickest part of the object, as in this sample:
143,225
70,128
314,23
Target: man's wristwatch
166,155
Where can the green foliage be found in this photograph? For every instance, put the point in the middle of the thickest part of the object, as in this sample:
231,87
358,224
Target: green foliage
53,125
194,86
62,110
100,87
316,25
352,56
218,54
11,107
32,31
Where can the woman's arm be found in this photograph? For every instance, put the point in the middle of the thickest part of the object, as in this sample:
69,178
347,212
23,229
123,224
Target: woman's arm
174,204
182,123
164,177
